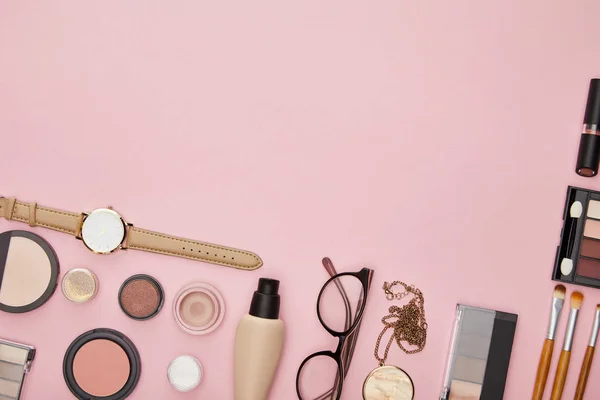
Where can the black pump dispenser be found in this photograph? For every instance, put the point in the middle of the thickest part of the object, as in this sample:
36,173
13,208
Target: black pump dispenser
265,300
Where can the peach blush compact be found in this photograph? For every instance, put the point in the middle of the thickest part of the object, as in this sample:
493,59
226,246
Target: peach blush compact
199,308
102,364
28,271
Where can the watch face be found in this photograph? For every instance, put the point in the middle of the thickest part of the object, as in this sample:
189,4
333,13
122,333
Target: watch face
103,231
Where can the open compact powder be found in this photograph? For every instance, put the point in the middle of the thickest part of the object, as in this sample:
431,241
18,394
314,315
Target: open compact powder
28,271
199,308
102,363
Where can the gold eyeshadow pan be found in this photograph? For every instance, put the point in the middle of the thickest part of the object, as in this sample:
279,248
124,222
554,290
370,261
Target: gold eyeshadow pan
578,253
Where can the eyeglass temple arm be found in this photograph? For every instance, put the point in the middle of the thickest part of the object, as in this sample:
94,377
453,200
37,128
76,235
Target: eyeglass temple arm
348,351
328,264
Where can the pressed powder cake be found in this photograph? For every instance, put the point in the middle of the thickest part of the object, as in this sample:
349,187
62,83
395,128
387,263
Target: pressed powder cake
141,297
28,271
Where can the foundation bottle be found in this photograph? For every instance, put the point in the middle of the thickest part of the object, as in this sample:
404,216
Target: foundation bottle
258,344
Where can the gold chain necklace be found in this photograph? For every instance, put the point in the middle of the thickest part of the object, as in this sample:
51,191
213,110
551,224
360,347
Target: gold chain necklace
409,325
408,322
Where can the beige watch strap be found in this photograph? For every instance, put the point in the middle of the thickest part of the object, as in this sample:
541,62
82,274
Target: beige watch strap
35,215
141,239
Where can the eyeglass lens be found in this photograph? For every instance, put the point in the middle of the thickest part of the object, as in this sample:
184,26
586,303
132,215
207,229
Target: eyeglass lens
339,306
340,302
319,379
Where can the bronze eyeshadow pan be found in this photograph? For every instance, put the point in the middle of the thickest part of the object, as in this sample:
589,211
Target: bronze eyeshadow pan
590,248
141,297
578,254
589,268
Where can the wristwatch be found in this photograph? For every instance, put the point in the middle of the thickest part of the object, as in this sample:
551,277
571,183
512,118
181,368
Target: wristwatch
103,231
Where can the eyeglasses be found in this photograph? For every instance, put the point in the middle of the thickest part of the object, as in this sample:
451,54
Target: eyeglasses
340,308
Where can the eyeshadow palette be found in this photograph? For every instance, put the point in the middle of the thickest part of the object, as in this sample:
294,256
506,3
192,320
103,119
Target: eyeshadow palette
15,362
479,354
578,254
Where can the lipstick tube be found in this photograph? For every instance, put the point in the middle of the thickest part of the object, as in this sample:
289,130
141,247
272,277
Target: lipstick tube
589,145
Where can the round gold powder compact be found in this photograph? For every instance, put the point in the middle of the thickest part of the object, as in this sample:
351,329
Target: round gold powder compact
79,285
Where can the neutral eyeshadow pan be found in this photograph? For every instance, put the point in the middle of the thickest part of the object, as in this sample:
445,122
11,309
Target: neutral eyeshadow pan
12,372
592,229
12,354
476,346
465,391
478,322
593,209
9,388
469,369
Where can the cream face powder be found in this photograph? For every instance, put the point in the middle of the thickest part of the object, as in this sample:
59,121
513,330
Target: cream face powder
199,308
28,271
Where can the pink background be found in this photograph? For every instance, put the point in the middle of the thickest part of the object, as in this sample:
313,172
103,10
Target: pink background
431,141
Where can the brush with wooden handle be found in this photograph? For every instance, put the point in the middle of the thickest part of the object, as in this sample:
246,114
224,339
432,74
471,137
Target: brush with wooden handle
587,360
565,354
558,300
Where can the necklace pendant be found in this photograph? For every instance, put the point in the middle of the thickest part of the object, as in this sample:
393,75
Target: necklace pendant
388,382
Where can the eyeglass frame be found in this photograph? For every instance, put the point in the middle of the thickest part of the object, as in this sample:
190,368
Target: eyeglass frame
365,276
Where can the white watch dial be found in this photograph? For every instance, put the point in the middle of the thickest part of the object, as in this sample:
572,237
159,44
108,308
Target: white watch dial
103,231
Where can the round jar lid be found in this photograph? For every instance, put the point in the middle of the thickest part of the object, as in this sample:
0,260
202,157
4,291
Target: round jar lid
185,373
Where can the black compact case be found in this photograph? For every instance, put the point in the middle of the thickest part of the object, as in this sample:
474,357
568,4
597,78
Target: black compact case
578,254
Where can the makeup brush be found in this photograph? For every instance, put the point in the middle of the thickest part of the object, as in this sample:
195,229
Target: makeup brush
558,300
565,354
566,265
587,360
